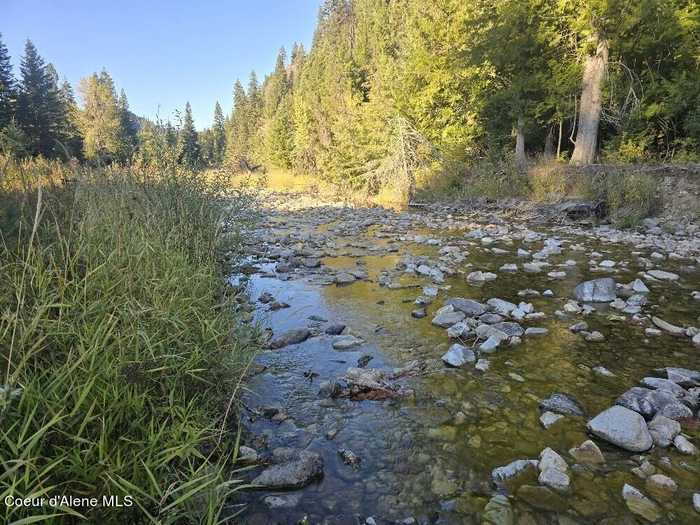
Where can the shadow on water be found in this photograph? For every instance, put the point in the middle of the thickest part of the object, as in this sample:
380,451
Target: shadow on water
430,455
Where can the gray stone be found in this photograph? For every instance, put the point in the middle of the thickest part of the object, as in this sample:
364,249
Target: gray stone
561,404
345,278
345,342
639,504
447,316
663,276
663,430
587,453
536,330
683,376
509,328
469,307
668,327
500,306
549,459
290,337
480,277
283,501
335,328
661,487
498,511
482,365
684,446
696,501
458,355
512,470
291,469
622,427
554,479
596,291
658,383
547,419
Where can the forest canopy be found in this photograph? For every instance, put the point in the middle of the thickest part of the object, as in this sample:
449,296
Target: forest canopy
420,85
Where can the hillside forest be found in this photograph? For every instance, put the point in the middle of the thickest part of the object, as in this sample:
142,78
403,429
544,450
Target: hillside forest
398,88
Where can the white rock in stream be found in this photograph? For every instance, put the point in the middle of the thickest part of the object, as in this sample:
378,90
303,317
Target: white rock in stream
447,316
639,504
458,355
662,275
480,277
596,291
622,427
345,342
547,419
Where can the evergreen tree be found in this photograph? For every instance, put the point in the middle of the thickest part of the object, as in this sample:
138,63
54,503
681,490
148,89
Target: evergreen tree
71,136
7,87
218,132
188,146
39,111
238,125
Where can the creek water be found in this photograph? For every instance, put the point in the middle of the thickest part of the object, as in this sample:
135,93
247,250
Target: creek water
428,455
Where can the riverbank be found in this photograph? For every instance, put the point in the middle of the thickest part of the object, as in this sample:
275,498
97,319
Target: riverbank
121,352
413,353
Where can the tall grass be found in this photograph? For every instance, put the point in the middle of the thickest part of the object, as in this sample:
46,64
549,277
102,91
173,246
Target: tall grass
119,351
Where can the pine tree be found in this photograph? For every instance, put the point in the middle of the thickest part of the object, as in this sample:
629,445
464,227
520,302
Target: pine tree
188,145
7,87
219,135
39,112
238,125
72,138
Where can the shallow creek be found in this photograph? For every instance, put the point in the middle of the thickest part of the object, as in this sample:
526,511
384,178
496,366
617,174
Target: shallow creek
428,455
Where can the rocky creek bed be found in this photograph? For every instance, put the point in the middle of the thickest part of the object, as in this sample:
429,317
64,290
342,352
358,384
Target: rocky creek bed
452,365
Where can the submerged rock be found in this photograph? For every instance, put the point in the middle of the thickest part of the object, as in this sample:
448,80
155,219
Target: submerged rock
447,316
561,404
291,469
512,470
290,337
469,307
639,504
498,511
596,291
587,453
345,342
622,427
663,430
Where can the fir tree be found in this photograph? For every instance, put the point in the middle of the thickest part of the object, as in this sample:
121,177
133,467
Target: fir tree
219,135
188,145
39,111
128,129
7,87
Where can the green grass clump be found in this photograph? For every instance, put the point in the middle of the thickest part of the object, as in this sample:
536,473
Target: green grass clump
120,354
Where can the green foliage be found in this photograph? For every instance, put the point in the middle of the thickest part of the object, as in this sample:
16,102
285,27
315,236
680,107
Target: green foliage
39,110
118,351
188,145
7,87
100,121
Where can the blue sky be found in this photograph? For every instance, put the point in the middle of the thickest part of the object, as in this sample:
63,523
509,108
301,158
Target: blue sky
162,52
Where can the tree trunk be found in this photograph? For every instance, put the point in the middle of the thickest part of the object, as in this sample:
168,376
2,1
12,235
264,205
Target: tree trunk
591,105
549,144
561,125
520,143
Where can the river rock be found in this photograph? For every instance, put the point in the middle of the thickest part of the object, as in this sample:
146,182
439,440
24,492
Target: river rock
658,383
458,355
500,306
482,365
345,278
447,316
663,275
561,404
246,455
661,487
639,504
542,498
622,427
663,430
419,313
549,459
536,330
480,277
498,511
345,342
291,469
290,337
512,470
282,501
547,419
683,376
587,453
596,291
335,328
509,328
684,446
554,479
469,307
668,327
